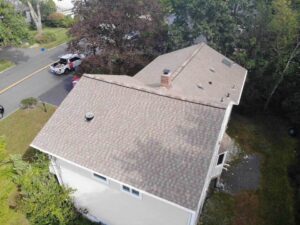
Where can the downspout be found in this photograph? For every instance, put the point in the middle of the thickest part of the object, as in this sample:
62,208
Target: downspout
56,169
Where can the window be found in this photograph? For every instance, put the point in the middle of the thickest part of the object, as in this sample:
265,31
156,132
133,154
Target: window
125,188
220,159
131,191
74,59
135,192
63,61
102,178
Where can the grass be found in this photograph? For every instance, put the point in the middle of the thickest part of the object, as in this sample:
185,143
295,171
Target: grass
273,203
225,209
268,137
218,210
8,188
61,36
18,130
5,64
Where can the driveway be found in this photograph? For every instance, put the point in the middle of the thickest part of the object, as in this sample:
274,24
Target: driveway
31,77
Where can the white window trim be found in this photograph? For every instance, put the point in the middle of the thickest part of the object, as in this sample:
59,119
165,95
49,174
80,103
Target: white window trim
130,191
98,179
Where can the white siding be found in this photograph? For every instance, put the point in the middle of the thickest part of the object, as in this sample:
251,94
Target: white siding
109,204
218,168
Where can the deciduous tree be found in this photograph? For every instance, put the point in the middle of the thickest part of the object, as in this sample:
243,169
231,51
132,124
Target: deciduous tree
13,28
124,35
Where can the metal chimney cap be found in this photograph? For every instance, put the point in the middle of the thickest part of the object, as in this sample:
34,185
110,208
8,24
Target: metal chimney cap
166,71
89,116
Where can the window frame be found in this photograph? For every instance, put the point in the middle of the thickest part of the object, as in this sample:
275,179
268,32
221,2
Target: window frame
132,191
222,156
100,178
126,189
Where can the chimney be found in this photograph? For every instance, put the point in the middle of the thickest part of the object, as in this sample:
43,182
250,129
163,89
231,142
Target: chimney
166,80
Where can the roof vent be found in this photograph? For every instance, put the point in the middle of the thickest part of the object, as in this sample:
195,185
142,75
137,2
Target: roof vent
89,116
212,70
200,86
228,95
227,62
210,82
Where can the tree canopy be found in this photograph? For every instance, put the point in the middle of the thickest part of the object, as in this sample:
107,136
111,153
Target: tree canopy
13,28
262,36
122,35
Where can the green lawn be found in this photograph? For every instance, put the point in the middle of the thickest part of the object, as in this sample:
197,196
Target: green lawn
61,35
5,64
18,130
273,203
268,136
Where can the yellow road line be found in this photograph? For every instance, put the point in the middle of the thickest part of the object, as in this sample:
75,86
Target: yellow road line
23,79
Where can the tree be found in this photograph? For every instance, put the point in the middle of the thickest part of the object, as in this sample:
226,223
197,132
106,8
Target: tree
210,20
128,33
284,29
13,28
39,11
47,8
36,15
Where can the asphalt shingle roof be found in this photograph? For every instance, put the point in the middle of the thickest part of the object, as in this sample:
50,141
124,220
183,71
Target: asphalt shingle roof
198,71
154,143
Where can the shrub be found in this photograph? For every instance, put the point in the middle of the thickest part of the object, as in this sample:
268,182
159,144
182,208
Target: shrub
45,37
42,199
68,22
28,103
56,20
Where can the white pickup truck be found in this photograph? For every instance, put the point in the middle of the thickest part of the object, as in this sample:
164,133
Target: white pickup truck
66,63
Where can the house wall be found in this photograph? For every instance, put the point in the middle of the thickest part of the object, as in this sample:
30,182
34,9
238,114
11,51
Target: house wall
106,202
212,168
218,168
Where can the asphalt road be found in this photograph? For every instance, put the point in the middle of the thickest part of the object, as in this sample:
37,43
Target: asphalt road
31,78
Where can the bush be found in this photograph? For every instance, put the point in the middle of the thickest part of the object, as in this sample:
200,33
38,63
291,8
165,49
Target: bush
56,20
43,200
68,21
28,103
45,37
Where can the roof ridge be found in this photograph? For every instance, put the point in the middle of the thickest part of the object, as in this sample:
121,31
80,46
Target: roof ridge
153,91
186,62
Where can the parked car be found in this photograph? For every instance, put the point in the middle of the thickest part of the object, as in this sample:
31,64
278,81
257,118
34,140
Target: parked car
66,63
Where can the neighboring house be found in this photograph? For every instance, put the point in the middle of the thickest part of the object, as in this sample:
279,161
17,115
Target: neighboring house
65,7
143,150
